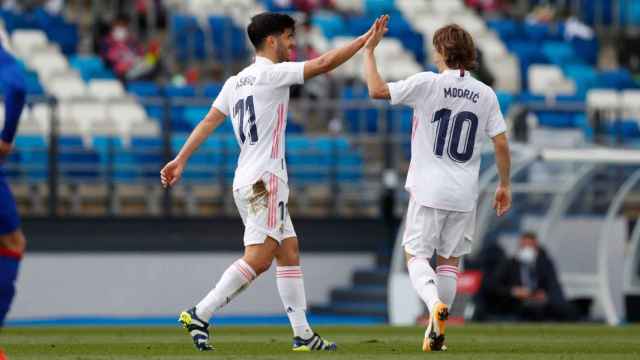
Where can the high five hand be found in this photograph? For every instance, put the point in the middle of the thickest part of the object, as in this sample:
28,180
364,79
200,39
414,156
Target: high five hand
379,29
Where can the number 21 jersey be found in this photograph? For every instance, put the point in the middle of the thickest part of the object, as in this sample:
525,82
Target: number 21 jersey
452,116
257,100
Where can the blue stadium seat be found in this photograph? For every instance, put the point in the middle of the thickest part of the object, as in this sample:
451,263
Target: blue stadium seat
330,24
585,77
505,99
194,114
507,29
33,84
180,91
227,37
89,67
616,79
528,53
29,142
274,5
144,88
187,37
70,141
379,7
359,119
79,164
559,53
557,119
211,90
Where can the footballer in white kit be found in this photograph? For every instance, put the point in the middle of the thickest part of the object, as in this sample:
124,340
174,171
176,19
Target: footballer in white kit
256,100
453,115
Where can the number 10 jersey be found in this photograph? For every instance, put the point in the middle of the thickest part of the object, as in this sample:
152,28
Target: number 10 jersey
452,116
257,100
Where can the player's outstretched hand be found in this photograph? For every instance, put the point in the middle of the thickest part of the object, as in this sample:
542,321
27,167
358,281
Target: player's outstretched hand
171,173
378,29
5,149
502,202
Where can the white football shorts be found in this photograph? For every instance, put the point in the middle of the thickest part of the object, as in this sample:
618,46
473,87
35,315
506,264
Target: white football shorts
263,208
448,233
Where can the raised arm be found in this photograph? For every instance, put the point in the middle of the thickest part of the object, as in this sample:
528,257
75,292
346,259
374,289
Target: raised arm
378,89
336,57
502,202
171,173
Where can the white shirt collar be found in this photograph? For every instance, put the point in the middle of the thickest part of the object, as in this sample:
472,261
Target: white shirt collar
455,72
263,60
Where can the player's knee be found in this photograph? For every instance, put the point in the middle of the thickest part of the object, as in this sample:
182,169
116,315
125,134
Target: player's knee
262,266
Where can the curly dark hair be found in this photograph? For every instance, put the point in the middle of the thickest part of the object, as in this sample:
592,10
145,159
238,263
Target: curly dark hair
456,46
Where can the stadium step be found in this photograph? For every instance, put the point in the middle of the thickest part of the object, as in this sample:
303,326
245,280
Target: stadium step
371,277
366,297
360,293
359,308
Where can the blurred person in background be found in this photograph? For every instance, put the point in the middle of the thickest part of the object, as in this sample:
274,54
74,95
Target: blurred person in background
127,56
526,287
12,241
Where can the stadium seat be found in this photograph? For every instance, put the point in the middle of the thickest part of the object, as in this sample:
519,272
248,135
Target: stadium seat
616,79
549,80
66,87
228,39
603,99
25,41
105,89
330,24
211,90
559,53
47,64
584,76
180,91
144,88
187,37
90,67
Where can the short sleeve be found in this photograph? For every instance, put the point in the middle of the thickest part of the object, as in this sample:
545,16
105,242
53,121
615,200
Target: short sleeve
222,101
286,74
409,91
495,123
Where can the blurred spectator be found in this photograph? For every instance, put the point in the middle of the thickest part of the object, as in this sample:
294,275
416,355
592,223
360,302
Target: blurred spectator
526,287
126,55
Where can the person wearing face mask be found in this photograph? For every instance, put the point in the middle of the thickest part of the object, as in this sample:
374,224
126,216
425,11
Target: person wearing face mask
526,287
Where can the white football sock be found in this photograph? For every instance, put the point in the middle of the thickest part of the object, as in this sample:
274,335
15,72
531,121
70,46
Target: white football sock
424,281
235,279
447,283
291,289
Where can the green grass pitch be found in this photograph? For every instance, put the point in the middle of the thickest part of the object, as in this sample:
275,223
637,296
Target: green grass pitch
479,341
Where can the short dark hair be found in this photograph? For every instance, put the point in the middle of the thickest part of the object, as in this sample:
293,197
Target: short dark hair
456,46
268,23
529,235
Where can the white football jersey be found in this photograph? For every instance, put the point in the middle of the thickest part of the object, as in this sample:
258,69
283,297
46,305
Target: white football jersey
452,115
257,99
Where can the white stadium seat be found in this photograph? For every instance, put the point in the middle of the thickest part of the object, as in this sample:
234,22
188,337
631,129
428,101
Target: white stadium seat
105,89
128,112
47,63
603,99
66,87
25,41
549,80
